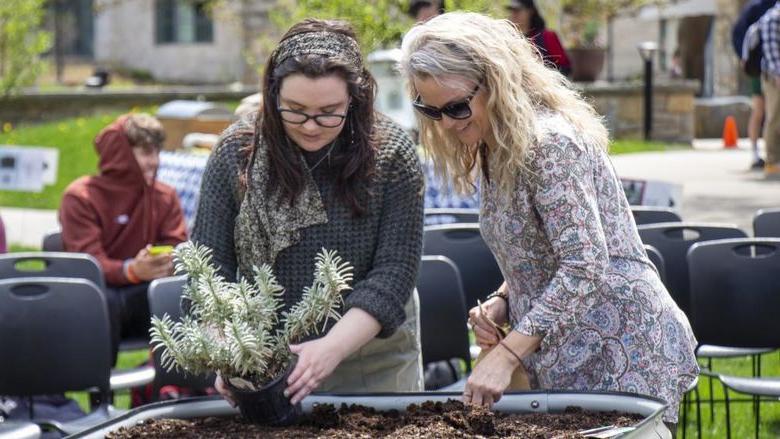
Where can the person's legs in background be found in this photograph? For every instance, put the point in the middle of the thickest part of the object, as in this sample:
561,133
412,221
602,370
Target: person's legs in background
114,302
756,121
772,126
129,311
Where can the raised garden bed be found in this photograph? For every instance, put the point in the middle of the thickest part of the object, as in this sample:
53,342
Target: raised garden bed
415,415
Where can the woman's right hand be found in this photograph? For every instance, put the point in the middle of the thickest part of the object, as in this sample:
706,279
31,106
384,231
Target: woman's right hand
486,334
221,387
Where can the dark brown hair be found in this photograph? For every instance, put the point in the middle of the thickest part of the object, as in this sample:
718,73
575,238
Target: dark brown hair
355,154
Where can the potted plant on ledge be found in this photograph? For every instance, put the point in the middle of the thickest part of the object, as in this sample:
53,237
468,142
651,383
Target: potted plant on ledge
237,329
582,24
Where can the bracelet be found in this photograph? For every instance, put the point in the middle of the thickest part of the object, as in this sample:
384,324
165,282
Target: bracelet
501,342
131,275
498,293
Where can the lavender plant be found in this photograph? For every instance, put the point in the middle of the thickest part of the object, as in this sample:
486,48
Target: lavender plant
237,329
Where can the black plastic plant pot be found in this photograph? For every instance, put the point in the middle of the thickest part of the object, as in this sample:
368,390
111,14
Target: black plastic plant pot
268,405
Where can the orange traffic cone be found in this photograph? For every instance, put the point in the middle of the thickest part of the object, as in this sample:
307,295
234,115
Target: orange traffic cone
730,133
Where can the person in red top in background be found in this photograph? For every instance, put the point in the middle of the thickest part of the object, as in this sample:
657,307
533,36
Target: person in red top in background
526,17
117,215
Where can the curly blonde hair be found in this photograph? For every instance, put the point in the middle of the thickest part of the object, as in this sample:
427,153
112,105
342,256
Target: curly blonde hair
492,52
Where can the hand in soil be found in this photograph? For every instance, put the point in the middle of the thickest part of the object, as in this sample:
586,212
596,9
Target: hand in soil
316,361
490,378
220,386
483,319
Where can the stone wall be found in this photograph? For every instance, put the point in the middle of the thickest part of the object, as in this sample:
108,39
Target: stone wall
622,105
38,107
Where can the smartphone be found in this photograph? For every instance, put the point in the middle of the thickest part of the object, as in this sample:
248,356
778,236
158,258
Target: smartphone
157,250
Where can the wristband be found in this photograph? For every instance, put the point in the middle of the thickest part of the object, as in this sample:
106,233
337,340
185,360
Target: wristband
498,293
506,346
131,275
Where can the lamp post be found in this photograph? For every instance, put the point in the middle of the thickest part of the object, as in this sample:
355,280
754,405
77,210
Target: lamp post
647,50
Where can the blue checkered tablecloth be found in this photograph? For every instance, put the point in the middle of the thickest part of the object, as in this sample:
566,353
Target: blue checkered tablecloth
440,194
183,171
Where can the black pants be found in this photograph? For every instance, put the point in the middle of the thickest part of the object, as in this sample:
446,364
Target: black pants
128,308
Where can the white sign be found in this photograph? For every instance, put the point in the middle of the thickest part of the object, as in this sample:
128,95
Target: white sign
652,193
27,168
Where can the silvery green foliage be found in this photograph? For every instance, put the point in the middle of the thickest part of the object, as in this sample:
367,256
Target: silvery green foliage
234,328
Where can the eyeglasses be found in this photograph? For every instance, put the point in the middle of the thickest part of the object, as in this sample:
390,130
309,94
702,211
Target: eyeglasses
325,120
457,110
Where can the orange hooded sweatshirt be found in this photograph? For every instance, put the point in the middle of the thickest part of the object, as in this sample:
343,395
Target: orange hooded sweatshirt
115,214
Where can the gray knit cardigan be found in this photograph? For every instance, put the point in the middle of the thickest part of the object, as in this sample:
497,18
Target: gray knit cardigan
383,246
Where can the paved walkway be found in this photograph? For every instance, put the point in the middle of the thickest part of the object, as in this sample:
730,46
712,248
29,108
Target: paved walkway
717,187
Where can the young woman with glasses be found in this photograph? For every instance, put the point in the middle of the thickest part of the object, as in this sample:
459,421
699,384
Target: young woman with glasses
318,168
587,308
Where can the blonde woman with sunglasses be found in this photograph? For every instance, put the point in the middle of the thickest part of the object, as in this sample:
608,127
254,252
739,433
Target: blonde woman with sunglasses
587,308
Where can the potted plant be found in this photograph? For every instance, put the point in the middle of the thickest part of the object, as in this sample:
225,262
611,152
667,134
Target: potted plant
582,24
237,329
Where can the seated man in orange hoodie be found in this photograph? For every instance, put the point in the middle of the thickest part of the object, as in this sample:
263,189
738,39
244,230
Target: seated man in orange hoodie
117,215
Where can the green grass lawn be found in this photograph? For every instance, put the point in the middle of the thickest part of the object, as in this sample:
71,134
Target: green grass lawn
634,146
74,136
742,419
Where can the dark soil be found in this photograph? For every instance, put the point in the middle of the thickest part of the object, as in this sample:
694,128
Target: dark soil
441,420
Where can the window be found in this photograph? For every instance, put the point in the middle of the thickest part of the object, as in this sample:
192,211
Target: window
183,21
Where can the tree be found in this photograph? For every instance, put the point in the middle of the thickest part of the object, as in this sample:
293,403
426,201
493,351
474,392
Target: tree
379,23
583,18
21,43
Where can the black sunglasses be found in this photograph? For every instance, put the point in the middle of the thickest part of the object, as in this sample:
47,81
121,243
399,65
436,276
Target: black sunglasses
457,110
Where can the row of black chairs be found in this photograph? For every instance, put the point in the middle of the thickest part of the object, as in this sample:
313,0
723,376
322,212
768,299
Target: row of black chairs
671,244
55,337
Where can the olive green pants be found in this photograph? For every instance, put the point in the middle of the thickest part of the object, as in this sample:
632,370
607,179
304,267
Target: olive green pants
392,364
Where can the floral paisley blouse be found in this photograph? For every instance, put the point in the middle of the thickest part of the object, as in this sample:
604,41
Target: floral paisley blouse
579,277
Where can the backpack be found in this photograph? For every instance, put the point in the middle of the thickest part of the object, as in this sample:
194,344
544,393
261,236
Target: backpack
752,51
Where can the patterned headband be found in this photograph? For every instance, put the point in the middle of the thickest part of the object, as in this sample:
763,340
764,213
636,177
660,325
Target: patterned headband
330,44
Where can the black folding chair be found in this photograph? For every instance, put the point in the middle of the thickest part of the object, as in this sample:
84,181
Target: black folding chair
658,261
447,215
78,266
63,264
735,293
54,337
51,264
443,315
766,223
52,242
653,215
673,240
463,244
165,298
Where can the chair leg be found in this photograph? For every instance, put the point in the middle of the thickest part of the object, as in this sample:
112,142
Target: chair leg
728,412
698,413
712,403
758,414
684,415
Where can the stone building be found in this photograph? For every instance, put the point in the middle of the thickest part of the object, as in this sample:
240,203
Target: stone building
699,30
179,41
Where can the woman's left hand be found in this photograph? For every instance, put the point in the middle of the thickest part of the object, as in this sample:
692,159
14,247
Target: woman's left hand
316,361
490,378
